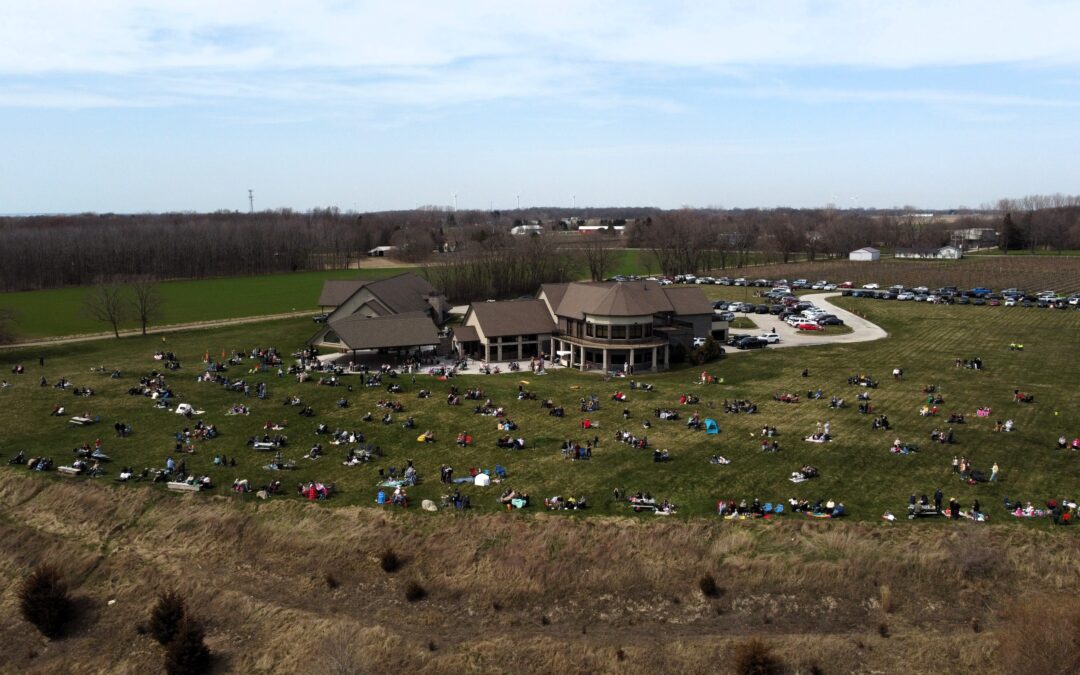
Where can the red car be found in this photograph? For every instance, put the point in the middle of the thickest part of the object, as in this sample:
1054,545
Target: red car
846,284
809,326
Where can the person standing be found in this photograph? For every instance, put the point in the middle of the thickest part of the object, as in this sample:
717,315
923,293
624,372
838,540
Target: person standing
937,499
954,509
41,361
993,472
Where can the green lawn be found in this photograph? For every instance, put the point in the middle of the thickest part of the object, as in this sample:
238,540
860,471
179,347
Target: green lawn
856,467
59,311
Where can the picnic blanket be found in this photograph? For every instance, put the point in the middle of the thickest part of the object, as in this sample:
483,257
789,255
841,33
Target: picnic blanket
398,483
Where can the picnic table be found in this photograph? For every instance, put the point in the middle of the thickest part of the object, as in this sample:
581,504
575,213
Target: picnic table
265,445
68,470
78,420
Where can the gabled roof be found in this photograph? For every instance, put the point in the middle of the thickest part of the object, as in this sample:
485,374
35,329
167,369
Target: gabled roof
512,317
412,329
337,291
405,292
866,249
465,334
627,298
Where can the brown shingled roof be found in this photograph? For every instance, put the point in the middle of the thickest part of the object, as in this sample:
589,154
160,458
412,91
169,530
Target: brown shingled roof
629,298
412,329
512,317
337,291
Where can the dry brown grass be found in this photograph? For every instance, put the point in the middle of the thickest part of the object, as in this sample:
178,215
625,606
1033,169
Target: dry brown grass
257,574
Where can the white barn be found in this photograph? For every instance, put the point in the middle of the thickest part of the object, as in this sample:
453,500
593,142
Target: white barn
866,254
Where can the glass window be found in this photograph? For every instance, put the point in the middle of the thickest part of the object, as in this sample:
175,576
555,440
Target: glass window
589,329
648,329
635,331
618,332
601,331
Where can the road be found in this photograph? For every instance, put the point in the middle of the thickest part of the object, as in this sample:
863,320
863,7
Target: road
861,329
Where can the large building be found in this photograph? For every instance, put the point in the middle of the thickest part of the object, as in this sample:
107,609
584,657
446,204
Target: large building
604,325
402,312
867,254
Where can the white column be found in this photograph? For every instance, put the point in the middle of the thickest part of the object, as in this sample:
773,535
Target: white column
605,360
631,361
654,359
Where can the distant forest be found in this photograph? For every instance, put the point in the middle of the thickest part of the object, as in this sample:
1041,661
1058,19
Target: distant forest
52,251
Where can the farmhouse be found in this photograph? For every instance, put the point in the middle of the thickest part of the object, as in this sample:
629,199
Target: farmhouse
394,313
943,253
607,325
867,254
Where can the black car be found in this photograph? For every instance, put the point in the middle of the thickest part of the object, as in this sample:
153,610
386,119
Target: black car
320,318
963,300
735,337
830,320
761,309
777,309
751,342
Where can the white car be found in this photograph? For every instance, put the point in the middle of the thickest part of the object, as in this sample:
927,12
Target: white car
699,342
921,289
871,286
906,295
770,337
1010,302
829,287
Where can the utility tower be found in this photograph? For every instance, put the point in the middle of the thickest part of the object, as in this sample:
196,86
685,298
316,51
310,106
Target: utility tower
251,201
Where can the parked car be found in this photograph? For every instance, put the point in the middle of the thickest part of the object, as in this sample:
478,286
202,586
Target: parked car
761,309
1010,301
906,295
846,284
320,318
830,320
871,286
734,338
751,343
829,287
699,342
806,325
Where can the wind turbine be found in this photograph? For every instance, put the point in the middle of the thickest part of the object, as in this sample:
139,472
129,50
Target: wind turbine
455,201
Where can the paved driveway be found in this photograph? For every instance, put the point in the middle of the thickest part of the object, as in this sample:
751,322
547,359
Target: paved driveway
861,329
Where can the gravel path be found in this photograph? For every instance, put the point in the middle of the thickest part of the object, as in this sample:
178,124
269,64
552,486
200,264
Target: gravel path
154,330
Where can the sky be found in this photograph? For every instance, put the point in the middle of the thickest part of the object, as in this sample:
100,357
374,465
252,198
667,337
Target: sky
133,106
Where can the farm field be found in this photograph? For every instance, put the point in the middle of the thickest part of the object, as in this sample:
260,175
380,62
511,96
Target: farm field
1032,273
56,312
856,468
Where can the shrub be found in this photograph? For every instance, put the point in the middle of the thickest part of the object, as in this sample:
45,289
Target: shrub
1053,648
754,657
331,580
166,616
710,351
187,654
415,592
389,561
883,630
707,584
44,601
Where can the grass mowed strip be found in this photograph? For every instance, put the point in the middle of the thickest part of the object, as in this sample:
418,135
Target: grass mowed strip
57,312
855,468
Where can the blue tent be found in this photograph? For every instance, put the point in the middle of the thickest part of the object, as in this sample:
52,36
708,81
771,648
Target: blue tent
711,427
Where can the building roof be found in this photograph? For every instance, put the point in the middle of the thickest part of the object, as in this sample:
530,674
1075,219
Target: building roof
466,334
627,298
512,317
866,249
412,329
405,292
335,291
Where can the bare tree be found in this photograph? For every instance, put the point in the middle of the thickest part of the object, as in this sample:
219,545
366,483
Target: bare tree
6,333
146,302
105,303
598,254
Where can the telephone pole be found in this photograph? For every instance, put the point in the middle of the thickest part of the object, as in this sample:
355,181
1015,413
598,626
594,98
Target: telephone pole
251,201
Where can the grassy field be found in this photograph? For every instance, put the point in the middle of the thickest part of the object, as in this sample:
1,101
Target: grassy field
856,468
58,311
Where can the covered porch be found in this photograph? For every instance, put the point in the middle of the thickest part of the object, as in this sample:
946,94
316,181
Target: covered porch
651,355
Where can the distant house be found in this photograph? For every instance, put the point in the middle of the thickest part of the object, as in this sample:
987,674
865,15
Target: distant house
521,230
589,229
393,313
603,325
866,254
932,253
380,251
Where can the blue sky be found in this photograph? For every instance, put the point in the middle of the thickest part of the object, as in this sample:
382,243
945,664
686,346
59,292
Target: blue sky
132,106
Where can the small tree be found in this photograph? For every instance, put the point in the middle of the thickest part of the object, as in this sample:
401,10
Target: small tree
710,351
146,302
754,657
166,616
44,601
187,654
105,303
6,333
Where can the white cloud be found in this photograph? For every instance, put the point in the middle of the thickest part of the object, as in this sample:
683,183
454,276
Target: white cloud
142,52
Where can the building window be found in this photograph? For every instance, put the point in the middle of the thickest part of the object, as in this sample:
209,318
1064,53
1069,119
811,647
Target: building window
618,332
648,329
601,331
635,331
589,329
